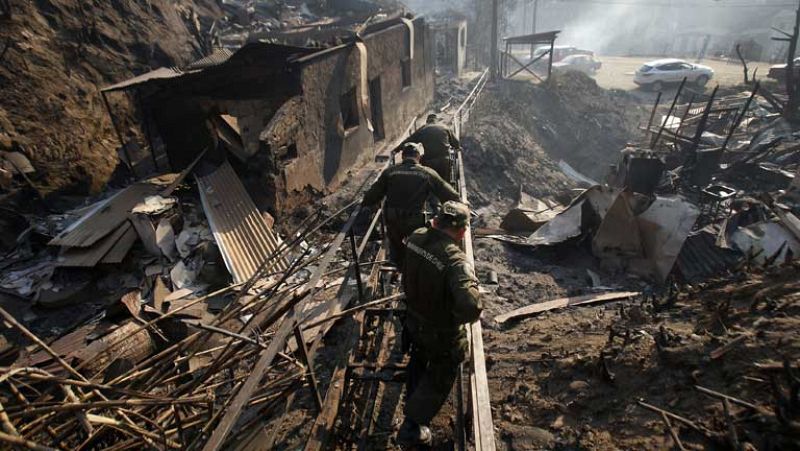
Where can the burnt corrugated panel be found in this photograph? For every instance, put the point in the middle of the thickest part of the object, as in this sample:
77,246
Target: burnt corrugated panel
243,236
104,217
216,58
88,257
159,74
700,257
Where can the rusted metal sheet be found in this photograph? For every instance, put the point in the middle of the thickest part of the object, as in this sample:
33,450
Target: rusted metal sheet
104,218
88,257
243,236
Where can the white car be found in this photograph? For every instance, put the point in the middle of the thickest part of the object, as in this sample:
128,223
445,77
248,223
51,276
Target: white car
657,74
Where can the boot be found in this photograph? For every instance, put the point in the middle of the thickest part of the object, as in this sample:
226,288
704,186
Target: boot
413,434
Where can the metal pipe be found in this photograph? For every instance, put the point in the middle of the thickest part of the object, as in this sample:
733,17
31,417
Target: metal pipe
739,118
652,115
356,266
669,113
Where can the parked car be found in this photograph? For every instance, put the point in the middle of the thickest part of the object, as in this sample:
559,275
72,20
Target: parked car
657,74
778,71
561,51
580,63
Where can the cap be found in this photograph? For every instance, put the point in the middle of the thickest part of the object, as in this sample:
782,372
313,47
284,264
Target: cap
412,149
453,214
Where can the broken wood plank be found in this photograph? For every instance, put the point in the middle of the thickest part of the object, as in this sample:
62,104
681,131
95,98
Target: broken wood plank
564,302
265,358
353,310
722,350
683,420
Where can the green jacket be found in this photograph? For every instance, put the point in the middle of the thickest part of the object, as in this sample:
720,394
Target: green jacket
407,186
439,283
436,139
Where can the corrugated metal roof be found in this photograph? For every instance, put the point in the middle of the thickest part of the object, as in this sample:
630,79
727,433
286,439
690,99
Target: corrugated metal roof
158,74
217,57
104,217
536,38
243,236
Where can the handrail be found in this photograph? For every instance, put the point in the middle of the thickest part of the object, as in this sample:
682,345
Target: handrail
480,399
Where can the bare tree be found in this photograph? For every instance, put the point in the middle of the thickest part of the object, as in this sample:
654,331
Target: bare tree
744,63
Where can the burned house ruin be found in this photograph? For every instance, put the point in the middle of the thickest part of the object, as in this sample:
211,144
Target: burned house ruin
450,37
294,119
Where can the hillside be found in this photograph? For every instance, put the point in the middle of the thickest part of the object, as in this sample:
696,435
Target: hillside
55,55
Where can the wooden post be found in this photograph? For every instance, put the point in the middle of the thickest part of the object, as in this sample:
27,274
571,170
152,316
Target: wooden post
117,129
550,61
495,18
791,83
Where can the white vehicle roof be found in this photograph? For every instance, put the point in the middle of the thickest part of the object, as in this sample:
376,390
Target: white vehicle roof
661,62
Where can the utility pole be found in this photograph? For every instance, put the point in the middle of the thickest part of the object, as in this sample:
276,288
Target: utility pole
495,18
533,23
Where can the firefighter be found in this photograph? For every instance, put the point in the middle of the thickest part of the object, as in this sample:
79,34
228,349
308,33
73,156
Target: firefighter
441,298
406,187
437,140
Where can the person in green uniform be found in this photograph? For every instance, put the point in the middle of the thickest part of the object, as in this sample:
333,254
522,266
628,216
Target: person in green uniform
437,140
441,298
406,187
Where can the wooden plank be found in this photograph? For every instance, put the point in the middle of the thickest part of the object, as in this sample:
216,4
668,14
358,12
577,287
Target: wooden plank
323,425
564,302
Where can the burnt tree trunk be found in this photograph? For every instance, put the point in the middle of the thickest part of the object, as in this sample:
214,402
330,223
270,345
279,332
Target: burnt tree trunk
791,84
744,63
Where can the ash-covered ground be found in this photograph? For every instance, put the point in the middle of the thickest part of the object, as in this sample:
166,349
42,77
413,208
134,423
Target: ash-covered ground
573,378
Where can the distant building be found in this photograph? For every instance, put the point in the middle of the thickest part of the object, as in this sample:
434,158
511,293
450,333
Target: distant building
292,120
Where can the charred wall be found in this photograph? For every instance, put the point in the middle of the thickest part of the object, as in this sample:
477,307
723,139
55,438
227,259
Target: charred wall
333,136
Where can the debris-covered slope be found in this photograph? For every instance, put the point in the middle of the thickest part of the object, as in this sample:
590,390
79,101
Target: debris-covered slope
574,119
56,54
502,158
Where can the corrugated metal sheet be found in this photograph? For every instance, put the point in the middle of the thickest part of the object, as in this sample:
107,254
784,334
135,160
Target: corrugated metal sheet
122,247
219,56
700,257
104,218
159,74
87,257
243,236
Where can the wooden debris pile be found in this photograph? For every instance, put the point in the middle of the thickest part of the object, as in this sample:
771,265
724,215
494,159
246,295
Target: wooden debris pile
182,356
